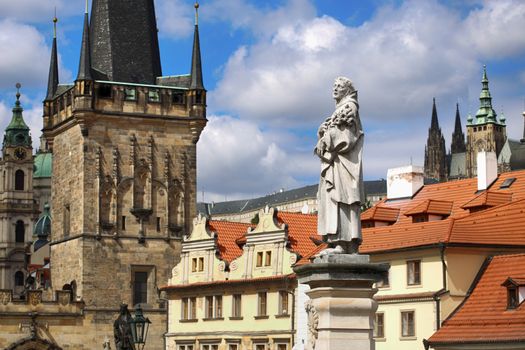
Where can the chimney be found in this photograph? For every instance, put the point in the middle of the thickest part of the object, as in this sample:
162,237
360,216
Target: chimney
404,182
487,169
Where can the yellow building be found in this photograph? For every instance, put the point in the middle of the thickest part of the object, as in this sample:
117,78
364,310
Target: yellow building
436,238
234,287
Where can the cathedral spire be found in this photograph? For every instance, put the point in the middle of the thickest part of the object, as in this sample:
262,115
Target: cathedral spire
84,67
52,82
458,137
196,64
434,123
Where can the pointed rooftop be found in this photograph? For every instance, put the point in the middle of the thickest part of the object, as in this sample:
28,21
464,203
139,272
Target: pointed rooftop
458,137
434,124
84,67
485,114
52,82
196,64
124,42
17,132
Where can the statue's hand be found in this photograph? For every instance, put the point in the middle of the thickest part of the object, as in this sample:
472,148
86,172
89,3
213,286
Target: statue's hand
320,148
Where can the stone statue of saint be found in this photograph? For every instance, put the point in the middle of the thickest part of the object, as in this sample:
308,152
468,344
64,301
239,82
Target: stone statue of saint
122,330
340,148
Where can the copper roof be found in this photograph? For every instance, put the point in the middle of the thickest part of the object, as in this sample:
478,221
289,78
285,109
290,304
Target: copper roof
483,317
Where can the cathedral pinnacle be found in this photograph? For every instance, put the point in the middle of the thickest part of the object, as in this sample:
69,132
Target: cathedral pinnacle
84,66
52,83
485,113
196,64
434,123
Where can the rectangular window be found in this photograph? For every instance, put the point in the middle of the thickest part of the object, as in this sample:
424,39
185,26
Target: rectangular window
282,347
210,347
218,306
413,272
408,327
140,287
283,302
185,347
153,96
178,98
233,347
236,305
158,224
194,265
189,308
67,220
261,309
201,264
130,94
512,297
379,325
260,347
259,259
123,223
268,260
209,307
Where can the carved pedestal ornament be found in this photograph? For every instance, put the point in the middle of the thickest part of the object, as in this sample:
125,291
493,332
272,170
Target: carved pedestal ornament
313,322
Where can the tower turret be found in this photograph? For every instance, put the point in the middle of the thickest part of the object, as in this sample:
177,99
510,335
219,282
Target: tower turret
458,137
52,82
435,152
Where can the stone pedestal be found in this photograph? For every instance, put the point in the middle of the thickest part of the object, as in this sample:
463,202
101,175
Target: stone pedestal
341,307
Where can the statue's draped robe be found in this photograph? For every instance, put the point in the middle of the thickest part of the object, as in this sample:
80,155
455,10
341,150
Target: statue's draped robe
341,180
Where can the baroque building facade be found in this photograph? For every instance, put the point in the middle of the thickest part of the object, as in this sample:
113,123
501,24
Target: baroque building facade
123,142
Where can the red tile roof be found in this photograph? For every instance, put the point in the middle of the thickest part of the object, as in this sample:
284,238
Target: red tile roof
300,228
484,317
488,199
431,206
381,213
227,235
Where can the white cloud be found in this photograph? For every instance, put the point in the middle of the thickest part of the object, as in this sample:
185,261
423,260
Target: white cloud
175,18
238,158
25,55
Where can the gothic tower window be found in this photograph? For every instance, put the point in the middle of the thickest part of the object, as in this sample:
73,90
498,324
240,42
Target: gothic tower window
67,219
20,232
19,180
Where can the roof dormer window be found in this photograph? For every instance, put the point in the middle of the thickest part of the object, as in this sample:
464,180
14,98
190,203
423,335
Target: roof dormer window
515,292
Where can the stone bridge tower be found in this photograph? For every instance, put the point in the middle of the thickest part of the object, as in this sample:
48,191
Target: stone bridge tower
123,139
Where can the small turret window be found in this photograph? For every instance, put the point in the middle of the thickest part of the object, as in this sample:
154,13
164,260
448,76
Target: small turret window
104,91
19,180
153,96
20,232
198,97
178,98
130,94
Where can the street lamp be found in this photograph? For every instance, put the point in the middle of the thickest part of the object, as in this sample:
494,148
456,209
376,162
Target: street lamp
130,332
139,328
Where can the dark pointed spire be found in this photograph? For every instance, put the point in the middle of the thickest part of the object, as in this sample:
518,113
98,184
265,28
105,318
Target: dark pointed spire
84,67
458,137
124,41
434,123
52,82
196,63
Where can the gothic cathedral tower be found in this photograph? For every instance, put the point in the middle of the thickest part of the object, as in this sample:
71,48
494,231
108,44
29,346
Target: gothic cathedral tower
124,140
435,153
485,132
17,207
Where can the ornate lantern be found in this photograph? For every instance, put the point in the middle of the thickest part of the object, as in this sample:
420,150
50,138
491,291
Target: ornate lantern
139,328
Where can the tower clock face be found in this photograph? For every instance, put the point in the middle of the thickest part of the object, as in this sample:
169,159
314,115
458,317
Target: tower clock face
20,153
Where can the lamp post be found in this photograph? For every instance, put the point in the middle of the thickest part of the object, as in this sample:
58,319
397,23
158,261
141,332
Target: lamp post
139,328
130,332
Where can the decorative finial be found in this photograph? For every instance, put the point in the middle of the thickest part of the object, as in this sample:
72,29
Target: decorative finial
18,86
55,20
87,6
196,13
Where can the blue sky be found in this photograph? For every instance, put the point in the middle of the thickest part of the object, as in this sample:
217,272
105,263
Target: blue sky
269,67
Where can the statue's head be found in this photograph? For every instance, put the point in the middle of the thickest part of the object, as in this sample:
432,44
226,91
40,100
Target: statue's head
123,309
342,87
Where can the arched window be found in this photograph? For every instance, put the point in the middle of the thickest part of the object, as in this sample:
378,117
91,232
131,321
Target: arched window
19,279
20,232
19,180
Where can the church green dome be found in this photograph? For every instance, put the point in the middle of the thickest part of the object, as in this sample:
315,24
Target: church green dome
43,165
43,228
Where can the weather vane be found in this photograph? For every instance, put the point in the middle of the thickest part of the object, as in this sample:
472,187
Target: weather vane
196,12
